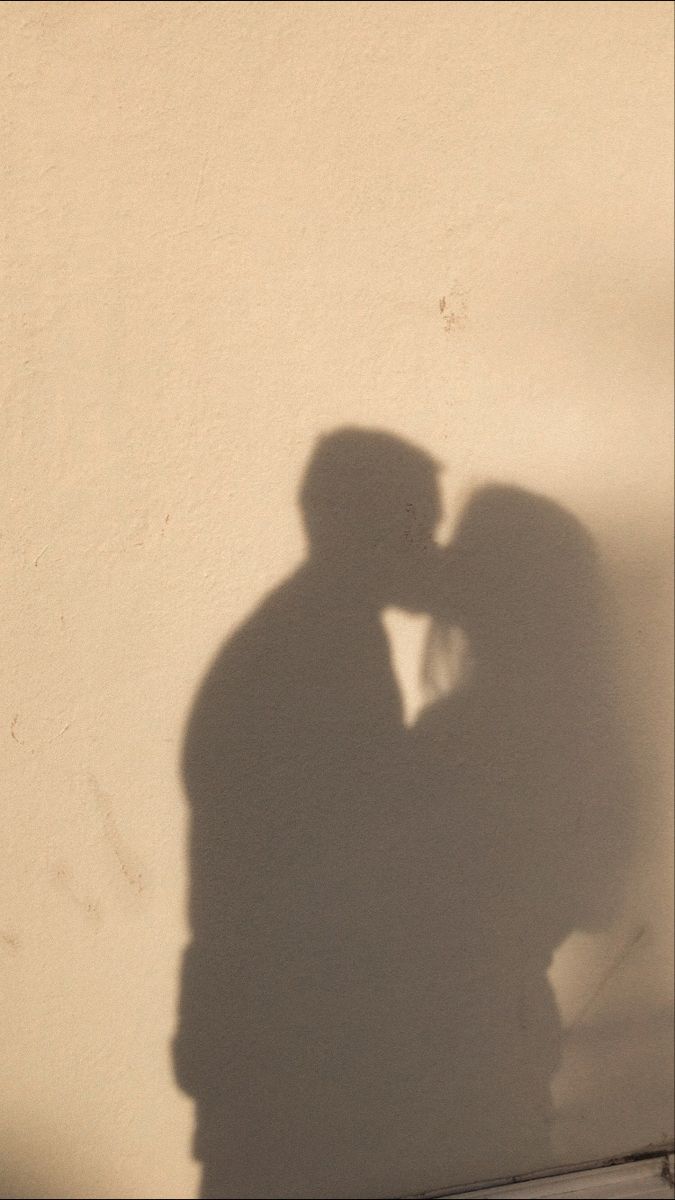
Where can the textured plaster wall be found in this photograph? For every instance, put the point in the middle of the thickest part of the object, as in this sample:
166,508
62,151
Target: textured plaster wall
228,228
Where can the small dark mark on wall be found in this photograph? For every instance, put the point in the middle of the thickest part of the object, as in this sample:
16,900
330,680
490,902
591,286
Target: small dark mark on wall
454,309
89,907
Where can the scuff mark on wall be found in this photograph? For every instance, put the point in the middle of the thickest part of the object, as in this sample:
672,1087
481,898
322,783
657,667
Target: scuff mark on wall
40,742
615,965
91,908
123,855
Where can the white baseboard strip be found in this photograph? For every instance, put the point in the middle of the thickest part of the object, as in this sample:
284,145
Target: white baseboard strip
644,1179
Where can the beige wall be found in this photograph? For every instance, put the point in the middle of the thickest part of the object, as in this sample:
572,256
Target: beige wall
228,229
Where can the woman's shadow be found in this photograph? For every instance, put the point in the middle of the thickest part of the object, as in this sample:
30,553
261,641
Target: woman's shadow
364,1008
523,768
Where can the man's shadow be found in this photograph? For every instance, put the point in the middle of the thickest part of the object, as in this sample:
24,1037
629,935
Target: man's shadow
295,773
364,1004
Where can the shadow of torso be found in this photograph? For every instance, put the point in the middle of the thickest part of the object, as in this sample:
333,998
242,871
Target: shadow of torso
517,773
493,904
295,770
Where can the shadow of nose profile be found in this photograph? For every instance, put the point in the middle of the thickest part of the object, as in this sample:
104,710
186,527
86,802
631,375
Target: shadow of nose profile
364,1001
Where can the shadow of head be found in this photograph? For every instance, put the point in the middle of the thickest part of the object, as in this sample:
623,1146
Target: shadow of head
522,580
370,504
